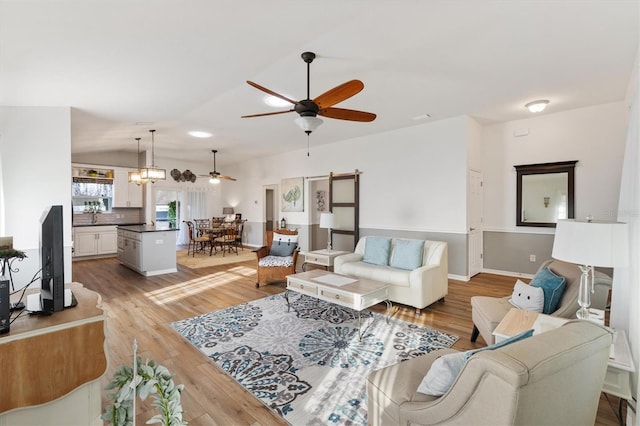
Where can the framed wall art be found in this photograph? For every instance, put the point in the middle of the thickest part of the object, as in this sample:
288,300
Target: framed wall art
292,194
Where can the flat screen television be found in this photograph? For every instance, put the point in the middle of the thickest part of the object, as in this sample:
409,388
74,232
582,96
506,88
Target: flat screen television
52,260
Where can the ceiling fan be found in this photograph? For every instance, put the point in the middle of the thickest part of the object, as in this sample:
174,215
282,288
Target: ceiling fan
309,109
215,176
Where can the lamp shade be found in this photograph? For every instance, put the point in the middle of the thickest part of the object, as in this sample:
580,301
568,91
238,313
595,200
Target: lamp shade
327,220
591,243
308,124
227,210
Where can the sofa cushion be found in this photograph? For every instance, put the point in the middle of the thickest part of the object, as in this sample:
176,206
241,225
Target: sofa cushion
407,254
527,297
376,250
271,261
386,274
552,285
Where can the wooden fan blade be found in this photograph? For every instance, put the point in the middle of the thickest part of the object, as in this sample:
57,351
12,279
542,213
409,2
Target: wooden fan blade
347,114
338,93
271,92
267,113
227,178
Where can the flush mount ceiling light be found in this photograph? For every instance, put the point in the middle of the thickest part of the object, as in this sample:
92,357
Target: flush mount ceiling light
537,106
153,173
200,134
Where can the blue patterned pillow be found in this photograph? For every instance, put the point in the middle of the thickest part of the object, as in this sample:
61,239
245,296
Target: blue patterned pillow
376,250
407,254
553,287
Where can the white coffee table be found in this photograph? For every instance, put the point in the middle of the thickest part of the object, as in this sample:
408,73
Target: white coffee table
357,294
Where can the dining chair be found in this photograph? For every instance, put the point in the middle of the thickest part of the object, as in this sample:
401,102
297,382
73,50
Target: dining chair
227,241
197,243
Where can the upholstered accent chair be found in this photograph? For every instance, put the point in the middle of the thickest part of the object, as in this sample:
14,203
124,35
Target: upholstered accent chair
551,378
272,266
196,243
487,312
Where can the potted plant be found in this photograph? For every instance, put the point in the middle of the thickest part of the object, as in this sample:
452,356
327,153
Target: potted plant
151,379
172,213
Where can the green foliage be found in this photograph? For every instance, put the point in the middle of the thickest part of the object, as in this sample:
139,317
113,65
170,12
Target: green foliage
152,379
172,214
293,195
8,254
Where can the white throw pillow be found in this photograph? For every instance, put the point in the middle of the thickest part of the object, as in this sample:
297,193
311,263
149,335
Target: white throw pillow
285,238
442,374
527,297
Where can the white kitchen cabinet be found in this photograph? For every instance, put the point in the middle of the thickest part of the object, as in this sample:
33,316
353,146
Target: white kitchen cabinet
94,240
147,250
125,194
129,251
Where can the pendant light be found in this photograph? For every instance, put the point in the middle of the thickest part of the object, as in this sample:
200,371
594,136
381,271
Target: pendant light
153,174
136,175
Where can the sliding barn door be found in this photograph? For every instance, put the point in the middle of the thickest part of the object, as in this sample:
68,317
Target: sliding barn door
344,203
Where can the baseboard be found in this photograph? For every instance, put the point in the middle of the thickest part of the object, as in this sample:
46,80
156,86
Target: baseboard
458,277
507,273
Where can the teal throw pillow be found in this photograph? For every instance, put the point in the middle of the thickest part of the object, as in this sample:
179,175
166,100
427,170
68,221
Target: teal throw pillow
407,254
444,370
282,248
553,287
376,250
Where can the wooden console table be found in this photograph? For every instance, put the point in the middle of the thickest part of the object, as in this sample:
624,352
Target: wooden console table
57,361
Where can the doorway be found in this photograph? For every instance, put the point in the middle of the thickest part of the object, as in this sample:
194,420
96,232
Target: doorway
474,219
270,208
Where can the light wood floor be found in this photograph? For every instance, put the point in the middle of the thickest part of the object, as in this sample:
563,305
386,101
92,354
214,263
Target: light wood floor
142,308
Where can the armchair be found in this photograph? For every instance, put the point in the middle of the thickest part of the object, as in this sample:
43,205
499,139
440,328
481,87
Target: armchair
552,378
272,266
487,312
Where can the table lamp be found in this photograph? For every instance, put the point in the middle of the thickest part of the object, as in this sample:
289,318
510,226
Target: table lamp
589,243
227,212
327,221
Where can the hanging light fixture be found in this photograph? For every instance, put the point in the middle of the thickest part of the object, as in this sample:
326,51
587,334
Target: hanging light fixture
153,174
136,176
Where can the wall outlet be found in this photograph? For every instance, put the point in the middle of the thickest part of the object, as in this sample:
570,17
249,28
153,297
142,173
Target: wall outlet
532,258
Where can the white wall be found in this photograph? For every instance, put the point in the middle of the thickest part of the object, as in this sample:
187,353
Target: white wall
594,136
413,178
35,149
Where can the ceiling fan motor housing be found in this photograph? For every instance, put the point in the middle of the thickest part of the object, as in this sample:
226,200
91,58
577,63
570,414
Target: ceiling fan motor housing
307,108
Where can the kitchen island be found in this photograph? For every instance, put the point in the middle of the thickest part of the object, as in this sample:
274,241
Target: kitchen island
148,250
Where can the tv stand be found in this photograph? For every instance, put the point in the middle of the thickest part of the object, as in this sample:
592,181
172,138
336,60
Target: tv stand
52,365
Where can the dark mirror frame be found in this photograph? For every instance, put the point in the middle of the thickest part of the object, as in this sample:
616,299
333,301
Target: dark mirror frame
544,168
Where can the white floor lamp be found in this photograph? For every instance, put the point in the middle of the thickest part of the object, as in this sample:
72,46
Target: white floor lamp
588,244
327,221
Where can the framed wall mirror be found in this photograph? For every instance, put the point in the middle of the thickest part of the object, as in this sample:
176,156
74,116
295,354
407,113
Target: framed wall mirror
544,193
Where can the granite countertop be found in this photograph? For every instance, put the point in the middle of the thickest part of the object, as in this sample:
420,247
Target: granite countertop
147,228
81,225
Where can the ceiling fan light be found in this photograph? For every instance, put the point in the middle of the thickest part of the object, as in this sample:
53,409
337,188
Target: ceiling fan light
537,106
308,124
214,180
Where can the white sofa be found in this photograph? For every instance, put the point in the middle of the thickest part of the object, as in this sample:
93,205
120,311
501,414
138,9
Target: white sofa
418,287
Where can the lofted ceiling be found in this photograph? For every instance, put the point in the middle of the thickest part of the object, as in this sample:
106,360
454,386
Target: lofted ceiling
128,66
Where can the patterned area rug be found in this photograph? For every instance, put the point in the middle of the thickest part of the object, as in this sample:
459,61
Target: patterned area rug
308,365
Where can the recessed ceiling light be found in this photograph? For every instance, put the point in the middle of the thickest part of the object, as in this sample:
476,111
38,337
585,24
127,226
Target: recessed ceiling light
537,106
274,101
199,134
